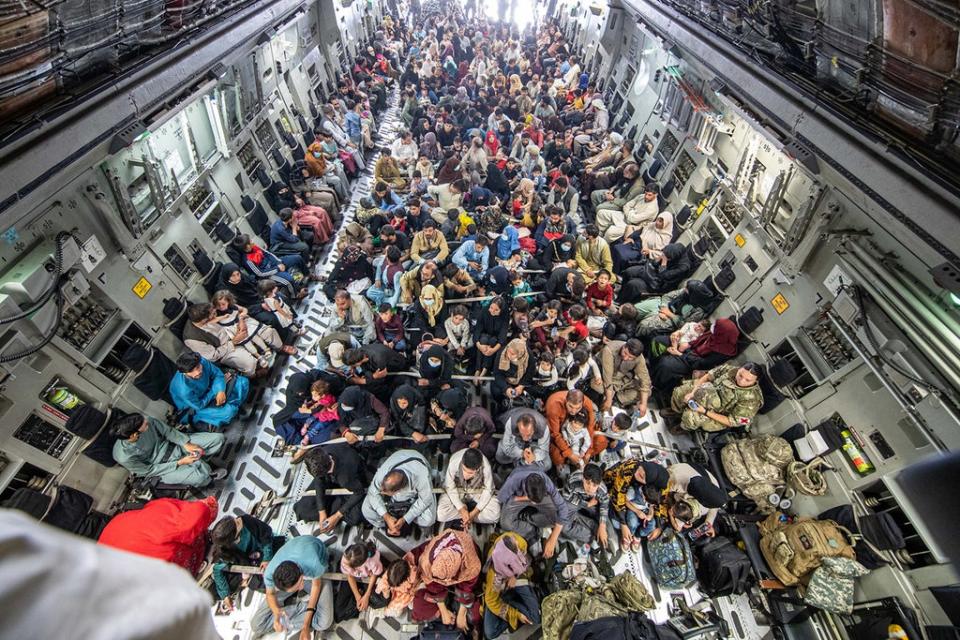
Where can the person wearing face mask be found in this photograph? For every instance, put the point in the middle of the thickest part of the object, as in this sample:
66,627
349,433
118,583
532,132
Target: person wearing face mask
436,370
428,313
555,226
330,173
560,252
408,414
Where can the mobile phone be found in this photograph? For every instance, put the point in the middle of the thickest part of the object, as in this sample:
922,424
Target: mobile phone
693,404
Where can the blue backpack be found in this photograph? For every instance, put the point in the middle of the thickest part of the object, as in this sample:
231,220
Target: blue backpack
671,559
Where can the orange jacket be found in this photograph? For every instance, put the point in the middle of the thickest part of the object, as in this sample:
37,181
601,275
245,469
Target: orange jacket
556,412
315,166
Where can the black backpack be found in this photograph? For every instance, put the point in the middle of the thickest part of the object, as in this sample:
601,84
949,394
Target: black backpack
722,568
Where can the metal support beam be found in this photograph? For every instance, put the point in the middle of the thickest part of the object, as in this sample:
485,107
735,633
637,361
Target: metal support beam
897,185
26,163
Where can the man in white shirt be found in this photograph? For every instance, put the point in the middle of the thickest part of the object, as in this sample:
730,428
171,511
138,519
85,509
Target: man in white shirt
468,490
641,210
405,152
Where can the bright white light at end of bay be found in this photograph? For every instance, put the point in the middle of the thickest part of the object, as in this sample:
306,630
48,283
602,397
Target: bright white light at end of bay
522,10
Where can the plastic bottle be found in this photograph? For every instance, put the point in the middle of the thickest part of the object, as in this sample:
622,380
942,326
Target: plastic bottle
63,398
855,454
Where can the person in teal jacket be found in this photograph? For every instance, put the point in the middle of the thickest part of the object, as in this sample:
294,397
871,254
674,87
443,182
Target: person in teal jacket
205,393
241,540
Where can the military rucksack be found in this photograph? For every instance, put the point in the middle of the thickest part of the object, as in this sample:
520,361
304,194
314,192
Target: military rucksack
558,612
756,465
794,550
671,560
831,585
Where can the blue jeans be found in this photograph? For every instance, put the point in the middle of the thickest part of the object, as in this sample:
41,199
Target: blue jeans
638,528
521,598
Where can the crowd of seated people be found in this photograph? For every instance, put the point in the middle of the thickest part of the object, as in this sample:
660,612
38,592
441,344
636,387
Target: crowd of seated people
513,247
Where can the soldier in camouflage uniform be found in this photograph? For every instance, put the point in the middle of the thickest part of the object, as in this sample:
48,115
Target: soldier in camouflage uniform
728,397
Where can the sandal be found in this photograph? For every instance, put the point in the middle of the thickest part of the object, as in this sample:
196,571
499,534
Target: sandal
289,350
635,544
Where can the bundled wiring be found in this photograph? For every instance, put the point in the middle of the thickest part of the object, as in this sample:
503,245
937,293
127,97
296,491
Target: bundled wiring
54,291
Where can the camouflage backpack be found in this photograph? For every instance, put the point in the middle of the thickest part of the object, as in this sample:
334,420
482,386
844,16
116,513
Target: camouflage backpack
756,465
558,612
794,550
831,585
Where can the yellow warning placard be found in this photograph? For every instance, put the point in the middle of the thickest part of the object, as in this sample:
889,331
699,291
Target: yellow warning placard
740,240
780,304
142,288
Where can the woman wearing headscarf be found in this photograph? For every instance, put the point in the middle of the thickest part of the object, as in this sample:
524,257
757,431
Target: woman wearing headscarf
436,370
508,606
408,414
428,312
645,242
356,234
450,170
446,408
240,540
491,143
711,349
362,415
474,164
449,563
430,148
424,127
243,286
693,302
657,276
491,334
629,484
515,85
280,197
317,218
513,372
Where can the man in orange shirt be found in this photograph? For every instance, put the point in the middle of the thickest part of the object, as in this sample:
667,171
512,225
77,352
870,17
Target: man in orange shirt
560,405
